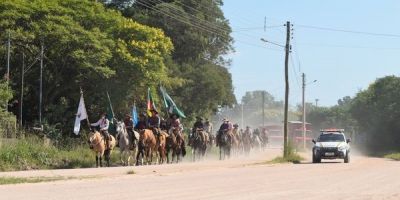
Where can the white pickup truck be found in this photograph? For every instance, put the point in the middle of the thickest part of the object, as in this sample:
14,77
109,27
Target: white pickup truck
331,144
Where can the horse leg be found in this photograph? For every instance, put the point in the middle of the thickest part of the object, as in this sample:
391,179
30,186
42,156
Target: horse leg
194,154
121,157
101,161
97,161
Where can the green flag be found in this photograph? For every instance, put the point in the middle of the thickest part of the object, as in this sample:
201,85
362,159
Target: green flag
110,115
170,104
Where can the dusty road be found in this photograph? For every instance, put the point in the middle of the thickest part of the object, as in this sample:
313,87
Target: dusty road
241,178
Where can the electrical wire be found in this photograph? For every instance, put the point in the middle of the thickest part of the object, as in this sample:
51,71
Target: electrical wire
149,6
348,31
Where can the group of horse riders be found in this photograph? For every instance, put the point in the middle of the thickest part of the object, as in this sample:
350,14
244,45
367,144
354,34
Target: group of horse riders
233,131
173,125
153,122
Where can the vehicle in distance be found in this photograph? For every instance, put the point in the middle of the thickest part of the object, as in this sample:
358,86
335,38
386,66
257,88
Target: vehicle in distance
331,144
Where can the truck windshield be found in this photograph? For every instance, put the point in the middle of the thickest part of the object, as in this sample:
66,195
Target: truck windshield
330,137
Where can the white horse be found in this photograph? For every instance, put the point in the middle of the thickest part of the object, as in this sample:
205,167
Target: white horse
126,144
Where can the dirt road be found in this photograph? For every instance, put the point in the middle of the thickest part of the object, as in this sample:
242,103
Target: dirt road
241,178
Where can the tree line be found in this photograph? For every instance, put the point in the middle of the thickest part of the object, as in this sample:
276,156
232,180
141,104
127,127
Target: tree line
370,118
119,47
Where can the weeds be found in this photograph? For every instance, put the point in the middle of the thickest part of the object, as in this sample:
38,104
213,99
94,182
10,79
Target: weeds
393,156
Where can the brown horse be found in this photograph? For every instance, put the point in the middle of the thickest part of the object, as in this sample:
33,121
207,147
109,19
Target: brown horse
98,144
147,146
235,142
176,144
161,147
198,141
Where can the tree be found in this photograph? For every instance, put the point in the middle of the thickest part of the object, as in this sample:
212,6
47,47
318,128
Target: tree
377,110
201,37
86,45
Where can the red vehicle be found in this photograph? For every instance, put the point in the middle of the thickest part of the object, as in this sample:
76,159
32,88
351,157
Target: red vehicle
295,133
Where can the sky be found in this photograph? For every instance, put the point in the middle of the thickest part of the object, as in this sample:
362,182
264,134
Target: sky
343,63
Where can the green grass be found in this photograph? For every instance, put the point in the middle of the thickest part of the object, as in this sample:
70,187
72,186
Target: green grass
18,180
393,156
292,158
31,153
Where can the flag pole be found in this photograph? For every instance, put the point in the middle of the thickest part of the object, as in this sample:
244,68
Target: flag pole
162,93
109,101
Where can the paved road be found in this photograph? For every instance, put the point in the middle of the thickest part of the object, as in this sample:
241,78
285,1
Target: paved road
240,178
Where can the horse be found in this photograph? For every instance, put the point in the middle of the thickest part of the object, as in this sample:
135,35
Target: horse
246,141
235,142
98,145
224,143
198,142
147,146
264,139
176,144
161,147
256,142
126,143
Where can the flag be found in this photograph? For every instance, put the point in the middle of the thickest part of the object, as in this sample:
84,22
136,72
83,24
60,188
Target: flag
80,115
135,119
170,104
150,103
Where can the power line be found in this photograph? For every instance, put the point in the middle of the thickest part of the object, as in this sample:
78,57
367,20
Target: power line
348,31
348,46
294,69
201,21
180,19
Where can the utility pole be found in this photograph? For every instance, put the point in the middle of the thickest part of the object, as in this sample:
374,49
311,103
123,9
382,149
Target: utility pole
304,111
41,86
22,90
316,102
263,108
285,126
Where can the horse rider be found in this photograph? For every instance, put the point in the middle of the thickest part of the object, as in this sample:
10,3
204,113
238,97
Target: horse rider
225,126
129,127
153,123
235,131
104,123
174,124
199,126
141,125
256,133
208,126
247,132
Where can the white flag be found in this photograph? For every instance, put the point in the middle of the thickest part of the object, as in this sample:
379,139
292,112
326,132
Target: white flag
80,115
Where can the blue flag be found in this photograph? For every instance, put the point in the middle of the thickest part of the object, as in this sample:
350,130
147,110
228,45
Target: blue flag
135,118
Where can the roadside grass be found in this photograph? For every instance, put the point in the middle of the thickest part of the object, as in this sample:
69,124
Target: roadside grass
31,153
393,156
19,180
292,158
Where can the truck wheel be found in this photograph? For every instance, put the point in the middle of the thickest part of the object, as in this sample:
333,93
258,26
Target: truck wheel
347,158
